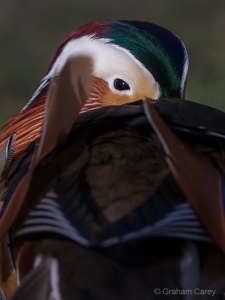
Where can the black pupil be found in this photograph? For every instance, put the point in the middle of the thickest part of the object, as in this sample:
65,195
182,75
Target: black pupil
121,85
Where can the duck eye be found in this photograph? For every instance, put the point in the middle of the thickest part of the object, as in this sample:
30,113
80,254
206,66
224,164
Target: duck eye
121,85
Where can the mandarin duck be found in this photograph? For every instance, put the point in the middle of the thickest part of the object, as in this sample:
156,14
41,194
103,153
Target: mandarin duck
113,202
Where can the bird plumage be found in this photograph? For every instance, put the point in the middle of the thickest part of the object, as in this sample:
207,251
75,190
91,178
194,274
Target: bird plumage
76,81
158,50
151,59
92,197
119,140
73,206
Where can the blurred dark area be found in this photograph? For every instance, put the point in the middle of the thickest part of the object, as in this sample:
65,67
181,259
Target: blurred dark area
31,30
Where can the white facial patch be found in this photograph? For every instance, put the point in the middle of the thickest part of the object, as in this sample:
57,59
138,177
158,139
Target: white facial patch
110,62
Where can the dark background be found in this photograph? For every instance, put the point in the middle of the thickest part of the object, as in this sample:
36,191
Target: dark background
31,30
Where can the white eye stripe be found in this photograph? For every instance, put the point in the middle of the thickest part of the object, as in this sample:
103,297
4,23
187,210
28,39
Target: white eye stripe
110,61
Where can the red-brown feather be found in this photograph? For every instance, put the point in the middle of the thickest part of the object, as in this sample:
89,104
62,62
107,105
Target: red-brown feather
27,126
97,28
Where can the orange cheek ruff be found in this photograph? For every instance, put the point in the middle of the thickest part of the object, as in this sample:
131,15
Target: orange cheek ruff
28,123
101,95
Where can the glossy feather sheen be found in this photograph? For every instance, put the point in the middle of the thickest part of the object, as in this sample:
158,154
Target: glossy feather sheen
161,52
157,51
166,57
140,51
109,230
